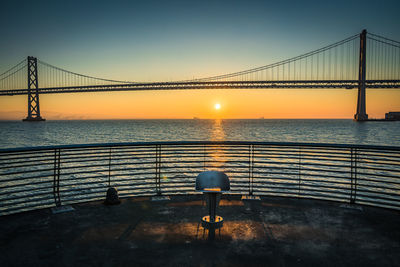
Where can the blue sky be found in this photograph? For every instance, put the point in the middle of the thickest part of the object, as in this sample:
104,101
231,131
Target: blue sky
176,40
167,40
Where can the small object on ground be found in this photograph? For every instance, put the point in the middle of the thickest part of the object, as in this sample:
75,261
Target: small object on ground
112,197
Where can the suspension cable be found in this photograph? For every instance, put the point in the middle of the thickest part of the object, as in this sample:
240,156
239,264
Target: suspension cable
16,66
280,62
81,75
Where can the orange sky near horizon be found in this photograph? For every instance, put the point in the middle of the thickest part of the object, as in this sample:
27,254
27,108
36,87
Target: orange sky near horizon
235,104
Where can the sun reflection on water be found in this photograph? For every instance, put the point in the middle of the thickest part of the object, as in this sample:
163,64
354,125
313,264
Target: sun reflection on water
217,131
216,154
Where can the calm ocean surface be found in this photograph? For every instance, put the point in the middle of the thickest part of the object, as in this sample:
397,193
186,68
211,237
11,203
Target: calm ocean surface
20,134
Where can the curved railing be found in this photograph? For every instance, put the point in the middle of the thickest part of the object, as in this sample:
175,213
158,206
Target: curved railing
40,177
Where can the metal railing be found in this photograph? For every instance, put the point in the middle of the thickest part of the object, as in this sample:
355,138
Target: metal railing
40,177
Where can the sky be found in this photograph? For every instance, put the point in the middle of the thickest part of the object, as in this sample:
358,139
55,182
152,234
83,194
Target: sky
175,40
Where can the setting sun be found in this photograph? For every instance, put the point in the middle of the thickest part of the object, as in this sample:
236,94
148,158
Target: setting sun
217,106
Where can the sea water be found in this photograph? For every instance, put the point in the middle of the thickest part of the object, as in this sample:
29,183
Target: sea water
25,134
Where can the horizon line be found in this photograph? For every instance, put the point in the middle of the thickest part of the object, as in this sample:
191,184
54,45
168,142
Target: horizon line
8,120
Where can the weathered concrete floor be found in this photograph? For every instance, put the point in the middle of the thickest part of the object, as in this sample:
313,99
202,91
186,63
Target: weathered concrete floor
270,232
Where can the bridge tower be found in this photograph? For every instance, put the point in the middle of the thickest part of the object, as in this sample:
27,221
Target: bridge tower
361,114
33,92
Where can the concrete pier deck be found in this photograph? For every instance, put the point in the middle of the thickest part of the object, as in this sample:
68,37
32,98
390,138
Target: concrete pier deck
140,232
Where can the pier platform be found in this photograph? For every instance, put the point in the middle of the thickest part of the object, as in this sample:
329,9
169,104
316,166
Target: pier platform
266,232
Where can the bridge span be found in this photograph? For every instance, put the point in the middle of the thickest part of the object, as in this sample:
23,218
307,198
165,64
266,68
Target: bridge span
342,65
198,85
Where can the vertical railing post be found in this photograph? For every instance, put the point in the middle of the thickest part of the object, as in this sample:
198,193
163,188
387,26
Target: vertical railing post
158,170
251,165
204,157
109,168
299,173
355,177
252,168
351,174
353,181
56,177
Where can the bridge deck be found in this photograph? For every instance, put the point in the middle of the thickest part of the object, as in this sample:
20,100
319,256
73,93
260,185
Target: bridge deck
272,231
199,85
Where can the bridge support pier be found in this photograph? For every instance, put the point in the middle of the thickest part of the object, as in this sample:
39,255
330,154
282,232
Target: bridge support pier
361,114
33,92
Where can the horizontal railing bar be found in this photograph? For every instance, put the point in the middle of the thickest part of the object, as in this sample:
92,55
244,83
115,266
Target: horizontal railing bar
379,153
26,165
302,174
141,194
393,162
27,208
377,175
305,179
296,189
25,190
132,169
296,185
97,196
134,186
29,151
379,204
171,143
112,164
305,153
91,192
303,164
294,163
27,171
360,194
262,179
294,158
13,203
302,169
256,162
33,156
377,169
25,178
318,196
361,179
378,158
31,197
378,193
24,184
106,157
153,173
139,153
282,150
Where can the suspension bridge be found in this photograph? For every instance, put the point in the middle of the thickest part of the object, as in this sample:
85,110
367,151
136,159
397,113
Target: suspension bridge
360,62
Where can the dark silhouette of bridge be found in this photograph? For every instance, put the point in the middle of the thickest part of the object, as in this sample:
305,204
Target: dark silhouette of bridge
342,65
